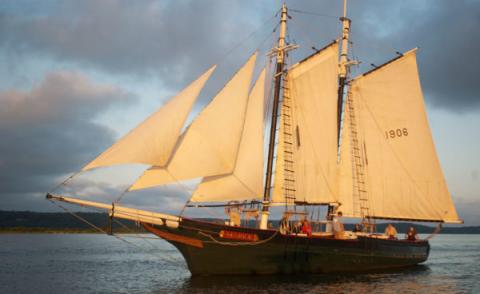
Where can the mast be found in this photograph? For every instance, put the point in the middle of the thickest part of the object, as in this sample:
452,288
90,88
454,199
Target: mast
342,77
276,98
343,65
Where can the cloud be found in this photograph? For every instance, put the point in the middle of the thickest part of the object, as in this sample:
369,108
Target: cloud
167,38
468,210
444,31
169,198
175,40
49,130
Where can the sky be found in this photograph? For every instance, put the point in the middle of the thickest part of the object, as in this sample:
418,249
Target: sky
77,75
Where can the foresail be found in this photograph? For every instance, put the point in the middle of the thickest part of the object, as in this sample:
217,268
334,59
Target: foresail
313,86
210,145
405,180
246,181
153,140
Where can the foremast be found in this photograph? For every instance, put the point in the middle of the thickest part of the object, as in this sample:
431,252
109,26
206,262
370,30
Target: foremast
280,58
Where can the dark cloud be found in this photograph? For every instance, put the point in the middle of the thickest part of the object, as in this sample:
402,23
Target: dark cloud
49,131
445,33
166,38
168,198
468,210
174,39
26,201
451,56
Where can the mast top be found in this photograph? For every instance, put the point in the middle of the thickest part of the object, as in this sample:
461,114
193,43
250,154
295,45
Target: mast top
345,36
281,37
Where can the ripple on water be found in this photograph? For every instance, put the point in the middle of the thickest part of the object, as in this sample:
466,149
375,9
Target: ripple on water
36,263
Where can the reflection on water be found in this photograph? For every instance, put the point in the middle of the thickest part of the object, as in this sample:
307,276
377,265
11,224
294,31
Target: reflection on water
415,280
101,264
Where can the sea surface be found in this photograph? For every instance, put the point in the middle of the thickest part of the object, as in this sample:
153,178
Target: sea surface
93,263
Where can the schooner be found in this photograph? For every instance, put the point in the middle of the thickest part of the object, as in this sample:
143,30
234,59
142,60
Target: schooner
360,145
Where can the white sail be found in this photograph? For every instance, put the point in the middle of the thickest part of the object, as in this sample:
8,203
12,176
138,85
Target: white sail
246,181
313,86
210,145
405,180
153,140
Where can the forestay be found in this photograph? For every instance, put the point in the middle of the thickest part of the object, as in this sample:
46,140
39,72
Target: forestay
246,181
405,180
210,144
153,140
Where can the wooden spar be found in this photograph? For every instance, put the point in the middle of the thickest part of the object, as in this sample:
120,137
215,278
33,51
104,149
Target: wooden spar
273,128
120,211
343,67
342,78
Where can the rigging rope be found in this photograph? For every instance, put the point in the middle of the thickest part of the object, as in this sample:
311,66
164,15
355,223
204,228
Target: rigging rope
221,59
239,44
166,258
313,13
435,232
89,223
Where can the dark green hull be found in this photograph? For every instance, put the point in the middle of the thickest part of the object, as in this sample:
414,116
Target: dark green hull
207,253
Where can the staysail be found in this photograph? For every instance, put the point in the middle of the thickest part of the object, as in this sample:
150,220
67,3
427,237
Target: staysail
246,181
210,144
313,86
404,177
153,140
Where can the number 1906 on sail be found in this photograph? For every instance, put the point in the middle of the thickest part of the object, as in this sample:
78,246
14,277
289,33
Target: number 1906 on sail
392,134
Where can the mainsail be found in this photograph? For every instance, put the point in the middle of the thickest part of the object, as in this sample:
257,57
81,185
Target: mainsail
312,86
153,140
246,181
210,144
405,180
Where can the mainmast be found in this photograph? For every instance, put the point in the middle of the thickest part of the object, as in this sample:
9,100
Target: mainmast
280,50
343,65
359,174
342,77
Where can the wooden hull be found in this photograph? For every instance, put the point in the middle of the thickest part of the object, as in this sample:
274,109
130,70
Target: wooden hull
214,249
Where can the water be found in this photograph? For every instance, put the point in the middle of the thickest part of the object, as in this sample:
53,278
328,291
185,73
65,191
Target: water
83,263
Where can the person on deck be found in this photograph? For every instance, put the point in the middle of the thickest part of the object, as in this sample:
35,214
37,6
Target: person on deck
391,232
338,228
284,226
306,227
297,227
411,234
357,228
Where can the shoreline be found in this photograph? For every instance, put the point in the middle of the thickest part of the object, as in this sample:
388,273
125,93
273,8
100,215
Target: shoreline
122,231
64,231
